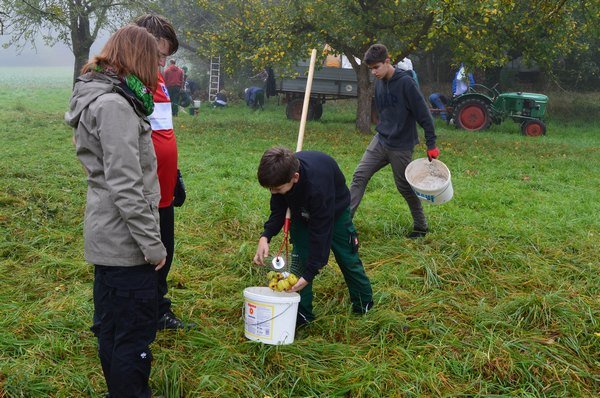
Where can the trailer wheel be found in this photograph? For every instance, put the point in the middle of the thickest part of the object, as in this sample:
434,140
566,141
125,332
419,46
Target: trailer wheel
317,109
533,128
293,110
473,115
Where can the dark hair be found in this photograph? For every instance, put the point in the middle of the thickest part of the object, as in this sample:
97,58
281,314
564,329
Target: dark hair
376,53
277,167
160,28
131,50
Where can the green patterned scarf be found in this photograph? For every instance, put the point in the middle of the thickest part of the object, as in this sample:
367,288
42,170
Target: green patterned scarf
141,92
136,86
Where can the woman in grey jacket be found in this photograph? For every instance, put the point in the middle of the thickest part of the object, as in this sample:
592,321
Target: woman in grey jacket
108,110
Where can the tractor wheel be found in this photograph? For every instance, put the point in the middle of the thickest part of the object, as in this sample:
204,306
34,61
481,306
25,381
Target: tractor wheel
472,114
533,128
293,109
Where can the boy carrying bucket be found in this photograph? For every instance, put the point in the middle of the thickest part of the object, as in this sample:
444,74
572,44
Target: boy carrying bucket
401,106
313,187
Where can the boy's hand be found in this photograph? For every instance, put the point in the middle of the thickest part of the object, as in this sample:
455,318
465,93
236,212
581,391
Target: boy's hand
433,153
262,251
301,284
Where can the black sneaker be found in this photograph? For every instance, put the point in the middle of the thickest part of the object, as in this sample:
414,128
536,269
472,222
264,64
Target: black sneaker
416,234
363,310
171,322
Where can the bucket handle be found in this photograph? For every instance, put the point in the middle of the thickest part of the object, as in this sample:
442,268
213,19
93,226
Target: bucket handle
267,320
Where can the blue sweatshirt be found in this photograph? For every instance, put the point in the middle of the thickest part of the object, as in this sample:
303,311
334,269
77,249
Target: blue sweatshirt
318,198
401,106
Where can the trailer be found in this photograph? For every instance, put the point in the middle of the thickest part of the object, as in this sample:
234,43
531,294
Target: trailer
328,84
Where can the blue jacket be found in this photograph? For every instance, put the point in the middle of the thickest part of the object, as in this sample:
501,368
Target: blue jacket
254,96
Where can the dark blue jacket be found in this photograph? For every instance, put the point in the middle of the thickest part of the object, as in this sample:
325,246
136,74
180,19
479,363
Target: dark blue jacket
318,198
254,96
401,106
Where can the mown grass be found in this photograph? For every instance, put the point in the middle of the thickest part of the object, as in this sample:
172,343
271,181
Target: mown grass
501,299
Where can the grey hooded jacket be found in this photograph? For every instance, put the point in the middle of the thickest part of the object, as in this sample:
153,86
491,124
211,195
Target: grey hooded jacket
114,144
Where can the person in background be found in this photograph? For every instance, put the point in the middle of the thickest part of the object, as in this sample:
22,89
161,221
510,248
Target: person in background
109,111
174,82
439,101
460,84
255,97
313,187
270,84
462,81
165,146
220,99
406,65
400,105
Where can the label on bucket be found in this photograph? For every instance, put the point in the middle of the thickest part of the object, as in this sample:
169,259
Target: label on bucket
259,319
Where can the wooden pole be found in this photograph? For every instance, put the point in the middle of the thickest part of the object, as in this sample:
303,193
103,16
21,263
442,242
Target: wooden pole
311,72
309,80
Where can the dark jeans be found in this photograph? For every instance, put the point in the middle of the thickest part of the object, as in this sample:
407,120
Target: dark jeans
125,300
174,95
437,103
167,235
345,249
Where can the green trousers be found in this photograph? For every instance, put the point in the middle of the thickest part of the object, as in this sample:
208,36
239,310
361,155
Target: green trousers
345,248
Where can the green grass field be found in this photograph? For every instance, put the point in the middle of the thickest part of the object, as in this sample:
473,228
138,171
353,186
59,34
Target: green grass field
500,299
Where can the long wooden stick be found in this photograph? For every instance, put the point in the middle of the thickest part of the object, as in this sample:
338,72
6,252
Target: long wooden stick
311,73
309,80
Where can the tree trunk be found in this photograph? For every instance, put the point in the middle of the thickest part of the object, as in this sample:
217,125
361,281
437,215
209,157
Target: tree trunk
81,58
365,95
82,40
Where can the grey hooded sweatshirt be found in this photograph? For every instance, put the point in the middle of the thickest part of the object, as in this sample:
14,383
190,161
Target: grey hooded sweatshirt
114,144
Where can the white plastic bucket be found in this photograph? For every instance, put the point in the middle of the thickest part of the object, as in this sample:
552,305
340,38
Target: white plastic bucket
430,180
269,316
197,104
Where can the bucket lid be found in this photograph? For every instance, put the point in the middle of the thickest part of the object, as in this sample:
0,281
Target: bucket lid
266,294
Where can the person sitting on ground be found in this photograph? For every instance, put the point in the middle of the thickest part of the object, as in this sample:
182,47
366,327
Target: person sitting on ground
255,97
220,99
313,187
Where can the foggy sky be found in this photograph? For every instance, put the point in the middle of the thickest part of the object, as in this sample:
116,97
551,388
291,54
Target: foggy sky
58,55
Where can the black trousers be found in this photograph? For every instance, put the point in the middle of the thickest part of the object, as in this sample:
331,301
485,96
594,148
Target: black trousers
167,235
125,300
174,95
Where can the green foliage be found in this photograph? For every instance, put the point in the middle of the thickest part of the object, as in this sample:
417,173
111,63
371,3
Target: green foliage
500,299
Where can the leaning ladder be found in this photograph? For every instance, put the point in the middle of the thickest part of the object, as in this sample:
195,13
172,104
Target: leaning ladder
215,77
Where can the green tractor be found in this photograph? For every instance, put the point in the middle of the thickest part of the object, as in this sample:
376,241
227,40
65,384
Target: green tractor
481,106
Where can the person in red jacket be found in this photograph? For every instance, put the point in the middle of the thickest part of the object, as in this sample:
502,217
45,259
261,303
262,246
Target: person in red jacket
165,146
174,81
